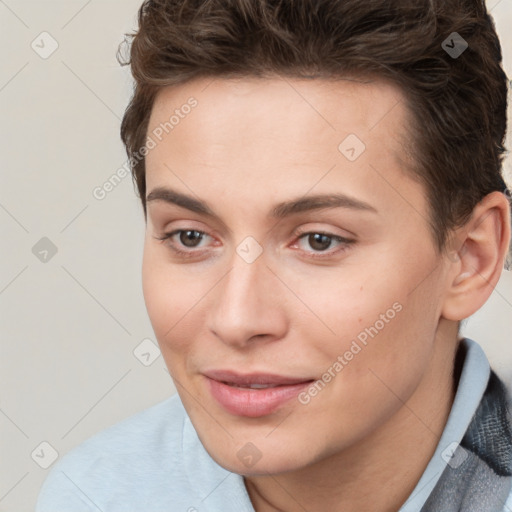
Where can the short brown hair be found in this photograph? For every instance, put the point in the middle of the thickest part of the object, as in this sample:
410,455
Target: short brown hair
458,103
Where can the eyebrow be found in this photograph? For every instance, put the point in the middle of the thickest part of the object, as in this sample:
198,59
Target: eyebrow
281,210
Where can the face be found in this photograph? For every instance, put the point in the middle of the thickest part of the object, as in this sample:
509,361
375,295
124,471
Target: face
287,249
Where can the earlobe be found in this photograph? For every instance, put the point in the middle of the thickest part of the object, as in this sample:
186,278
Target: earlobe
484,242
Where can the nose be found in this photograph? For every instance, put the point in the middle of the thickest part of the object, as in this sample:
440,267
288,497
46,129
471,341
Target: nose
248,304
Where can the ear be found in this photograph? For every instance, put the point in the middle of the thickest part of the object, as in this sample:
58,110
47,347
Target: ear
482,244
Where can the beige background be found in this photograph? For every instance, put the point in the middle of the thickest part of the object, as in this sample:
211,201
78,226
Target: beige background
70,325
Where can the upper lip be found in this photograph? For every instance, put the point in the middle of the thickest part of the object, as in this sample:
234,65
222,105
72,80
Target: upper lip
232,377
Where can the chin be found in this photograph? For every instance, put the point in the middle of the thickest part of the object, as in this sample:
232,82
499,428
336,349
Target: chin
269,467
256,458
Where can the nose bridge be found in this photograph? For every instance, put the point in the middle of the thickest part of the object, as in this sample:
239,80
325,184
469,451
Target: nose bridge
246,304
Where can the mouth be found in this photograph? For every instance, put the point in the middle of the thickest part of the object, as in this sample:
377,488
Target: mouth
253,386
253,395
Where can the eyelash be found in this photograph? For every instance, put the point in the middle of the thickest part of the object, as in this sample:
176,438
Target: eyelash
346,243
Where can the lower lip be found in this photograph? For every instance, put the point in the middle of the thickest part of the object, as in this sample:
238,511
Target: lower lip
253,402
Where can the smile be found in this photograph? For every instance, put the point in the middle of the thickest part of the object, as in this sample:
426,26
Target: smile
253,395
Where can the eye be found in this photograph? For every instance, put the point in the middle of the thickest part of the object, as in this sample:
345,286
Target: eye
188,242
188,238
321,242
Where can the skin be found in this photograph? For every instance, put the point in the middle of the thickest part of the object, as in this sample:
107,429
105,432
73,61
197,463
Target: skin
251,144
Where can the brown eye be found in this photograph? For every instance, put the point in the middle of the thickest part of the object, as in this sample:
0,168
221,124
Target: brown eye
185,241
322,245
190,237
319,241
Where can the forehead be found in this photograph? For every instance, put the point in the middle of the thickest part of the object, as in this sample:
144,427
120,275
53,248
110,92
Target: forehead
342,104
284,134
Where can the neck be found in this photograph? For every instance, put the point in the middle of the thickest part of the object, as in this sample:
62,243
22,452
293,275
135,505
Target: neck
383,468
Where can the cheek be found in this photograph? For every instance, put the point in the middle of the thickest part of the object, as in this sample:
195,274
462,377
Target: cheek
391,345
381,351
170,298
156,287
380,320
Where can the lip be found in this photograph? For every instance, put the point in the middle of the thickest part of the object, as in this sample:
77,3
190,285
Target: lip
253,403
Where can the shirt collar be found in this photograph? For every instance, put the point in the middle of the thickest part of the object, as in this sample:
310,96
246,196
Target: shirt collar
470,390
